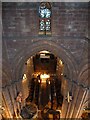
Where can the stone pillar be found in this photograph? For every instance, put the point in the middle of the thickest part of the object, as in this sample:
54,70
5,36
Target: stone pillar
7,103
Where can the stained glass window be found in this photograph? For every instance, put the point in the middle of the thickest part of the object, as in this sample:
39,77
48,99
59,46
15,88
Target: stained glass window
45,18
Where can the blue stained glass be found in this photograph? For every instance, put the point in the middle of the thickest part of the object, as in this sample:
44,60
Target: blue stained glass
45,15
44,12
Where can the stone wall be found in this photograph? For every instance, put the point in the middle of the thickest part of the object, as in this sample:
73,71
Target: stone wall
68,41
69,27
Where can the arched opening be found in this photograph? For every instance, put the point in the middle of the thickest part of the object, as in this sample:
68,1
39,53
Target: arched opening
42,79
52,47
29,52
21,85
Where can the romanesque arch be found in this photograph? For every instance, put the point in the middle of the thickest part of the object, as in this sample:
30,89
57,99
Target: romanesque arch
54,48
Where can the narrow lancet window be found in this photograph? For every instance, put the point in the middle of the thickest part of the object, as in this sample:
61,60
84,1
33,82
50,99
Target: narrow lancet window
45,18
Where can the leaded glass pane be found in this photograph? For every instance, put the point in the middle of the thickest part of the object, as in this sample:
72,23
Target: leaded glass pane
45,13
45,17
44,10
48,25
42,25
42,13
48,13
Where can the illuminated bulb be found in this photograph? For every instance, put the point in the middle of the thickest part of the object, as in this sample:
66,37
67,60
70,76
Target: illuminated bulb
24,76
61,73
61,62
44,51
49,82
43,76
39,81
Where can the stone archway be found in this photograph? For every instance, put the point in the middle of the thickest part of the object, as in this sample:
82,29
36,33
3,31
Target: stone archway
54,48
59,51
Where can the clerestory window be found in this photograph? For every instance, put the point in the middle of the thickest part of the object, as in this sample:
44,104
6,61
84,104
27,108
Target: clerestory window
45,18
